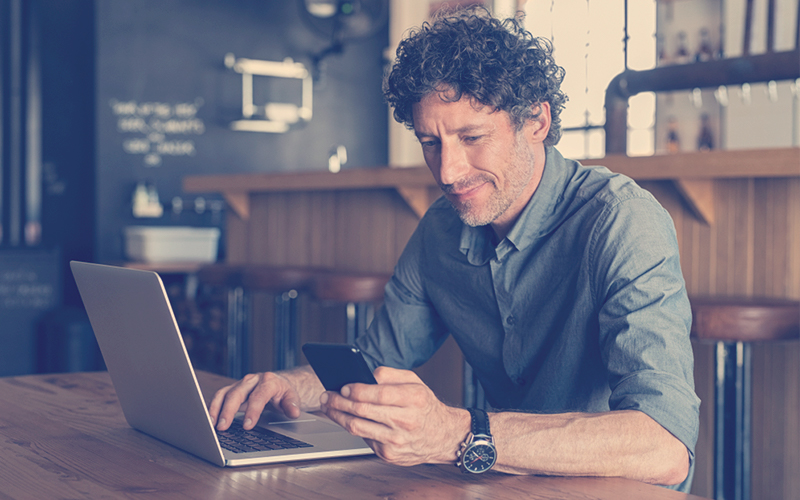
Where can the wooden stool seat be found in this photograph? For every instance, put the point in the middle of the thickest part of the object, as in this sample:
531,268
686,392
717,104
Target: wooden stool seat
733,324
745,319
359,291
350,287
277,278
220,275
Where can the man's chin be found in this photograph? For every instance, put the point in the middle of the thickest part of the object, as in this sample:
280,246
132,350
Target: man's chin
470,216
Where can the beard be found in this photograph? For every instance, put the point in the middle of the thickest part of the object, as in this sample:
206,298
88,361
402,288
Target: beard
517,177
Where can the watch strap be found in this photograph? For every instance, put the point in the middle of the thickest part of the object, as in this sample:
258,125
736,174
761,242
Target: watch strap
480,422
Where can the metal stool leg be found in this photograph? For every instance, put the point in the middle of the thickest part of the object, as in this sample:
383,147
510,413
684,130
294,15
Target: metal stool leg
237,332
732,414
359,316
286,330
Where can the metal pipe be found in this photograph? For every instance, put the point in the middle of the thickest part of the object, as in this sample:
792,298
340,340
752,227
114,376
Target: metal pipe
733,71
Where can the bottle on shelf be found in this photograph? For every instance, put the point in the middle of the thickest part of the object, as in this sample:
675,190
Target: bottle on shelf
673,138
705,140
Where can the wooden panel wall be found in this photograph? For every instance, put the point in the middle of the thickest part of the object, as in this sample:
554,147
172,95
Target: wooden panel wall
753,249
354,230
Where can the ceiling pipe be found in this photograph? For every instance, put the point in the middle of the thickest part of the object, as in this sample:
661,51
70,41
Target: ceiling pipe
734,71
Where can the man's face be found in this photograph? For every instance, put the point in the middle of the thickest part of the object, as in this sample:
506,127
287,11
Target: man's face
486,168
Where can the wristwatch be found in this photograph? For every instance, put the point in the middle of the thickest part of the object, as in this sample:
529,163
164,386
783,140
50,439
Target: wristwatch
477,453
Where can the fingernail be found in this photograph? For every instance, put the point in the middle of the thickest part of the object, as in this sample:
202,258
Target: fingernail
247,422
222,421
323,398
345,391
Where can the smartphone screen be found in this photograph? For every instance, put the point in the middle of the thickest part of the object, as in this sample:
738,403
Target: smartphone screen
337,365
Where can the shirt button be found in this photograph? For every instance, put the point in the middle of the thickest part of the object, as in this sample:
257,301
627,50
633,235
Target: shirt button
520,381
511,320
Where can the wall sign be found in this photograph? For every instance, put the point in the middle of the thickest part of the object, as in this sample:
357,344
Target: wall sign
158,129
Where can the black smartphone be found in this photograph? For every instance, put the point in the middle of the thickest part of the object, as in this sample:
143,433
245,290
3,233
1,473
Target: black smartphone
337,365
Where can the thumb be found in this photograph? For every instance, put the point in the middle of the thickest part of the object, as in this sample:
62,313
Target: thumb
290,404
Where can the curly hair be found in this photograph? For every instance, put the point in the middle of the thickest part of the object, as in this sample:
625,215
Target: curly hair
468,52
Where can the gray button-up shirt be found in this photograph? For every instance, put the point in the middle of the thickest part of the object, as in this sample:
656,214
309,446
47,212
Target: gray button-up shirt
582,307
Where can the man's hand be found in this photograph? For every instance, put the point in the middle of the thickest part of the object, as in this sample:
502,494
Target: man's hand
252,394
400,418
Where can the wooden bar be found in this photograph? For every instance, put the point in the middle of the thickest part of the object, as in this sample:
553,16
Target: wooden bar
64,436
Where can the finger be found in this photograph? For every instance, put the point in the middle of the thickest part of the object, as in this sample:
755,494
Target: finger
290,404
235,397
361,427
216,403
270,388
399,395
388,375
368,410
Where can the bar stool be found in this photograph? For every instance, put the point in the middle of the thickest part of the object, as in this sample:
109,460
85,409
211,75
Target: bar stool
230,278
733,324
241,280
285,283
359,291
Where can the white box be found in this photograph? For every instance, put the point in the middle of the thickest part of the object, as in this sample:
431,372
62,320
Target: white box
171,243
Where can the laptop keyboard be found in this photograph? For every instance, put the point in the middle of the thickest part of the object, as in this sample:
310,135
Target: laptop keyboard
239,440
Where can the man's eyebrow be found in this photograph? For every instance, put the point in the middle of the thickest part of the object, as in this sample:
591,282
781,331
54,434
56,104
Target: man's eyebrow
461,130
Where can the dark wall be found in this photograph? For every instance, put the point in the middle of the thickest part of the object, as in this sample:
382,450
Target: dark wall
171,52
65,32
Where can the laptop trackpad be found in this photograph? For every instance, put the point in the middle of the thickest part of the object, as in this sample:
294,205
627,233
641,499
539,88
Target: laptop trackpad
306,424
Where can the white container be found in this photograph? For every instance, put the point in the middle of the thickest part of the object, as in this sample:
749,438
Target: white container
156,244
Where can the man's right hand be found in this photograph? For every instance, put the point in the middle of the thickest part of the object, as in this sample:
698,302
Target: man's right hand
251,395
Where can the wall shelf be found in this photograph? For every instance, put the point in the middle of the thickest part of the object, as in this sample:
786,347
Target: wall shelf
692,173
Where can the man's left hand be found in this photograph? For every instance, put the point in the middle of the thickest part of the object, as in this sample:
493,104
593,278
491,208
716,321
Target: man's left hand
400,418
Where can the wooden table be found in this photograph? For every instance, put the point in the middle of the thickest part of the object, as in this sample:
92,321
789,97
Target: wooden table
64,436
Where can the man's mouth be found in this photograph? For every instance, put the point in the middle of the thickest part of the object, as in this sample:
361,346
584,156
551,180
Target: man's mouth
464,188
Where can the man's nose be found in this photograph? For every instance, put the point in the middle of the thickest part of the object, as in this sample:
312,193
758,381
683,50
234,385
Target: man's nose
453,164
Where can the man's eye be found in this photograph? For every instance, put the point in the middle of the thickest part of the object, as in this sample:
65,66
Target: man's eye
471,138
428,144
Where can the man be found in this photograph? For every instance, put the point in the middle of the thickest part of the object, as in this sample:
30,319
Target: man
561,284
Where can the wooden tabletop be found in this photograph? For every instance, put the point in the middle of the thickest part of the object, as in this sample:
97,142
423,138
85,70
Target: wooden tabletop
64,436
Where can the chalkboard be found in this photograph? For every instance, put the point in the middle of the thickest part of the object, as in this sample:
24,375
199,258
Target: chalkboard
30,286
165,101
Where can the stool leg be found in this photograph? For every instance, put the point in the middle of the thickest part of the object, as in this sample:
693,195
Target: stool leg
744,409
285,335
359,316
351,331
722,427
732,415
237,333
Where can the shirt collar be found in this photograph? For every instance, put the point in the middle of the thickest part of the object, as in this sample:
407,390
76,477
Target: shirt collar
537,218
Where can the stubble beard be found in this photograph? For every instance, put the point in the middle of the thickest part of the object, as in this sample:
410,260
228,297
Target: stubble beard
517,178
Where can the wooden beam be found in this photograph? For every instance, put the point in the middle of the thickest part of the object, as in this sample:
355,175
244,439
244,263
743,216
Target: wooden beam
728,164
239,201
699,195
417,198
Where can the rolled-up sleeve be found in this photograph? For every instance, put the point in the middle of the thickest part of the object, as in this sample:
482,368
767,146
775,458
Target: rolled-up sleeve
645,317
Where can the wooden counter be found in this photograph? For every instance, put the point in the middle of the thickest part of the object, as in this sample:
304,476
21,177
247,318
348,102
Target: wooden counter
64,436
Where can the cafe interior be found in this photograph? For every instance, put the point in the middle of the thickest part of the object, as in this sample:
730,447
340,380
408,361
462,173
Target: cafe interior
243,150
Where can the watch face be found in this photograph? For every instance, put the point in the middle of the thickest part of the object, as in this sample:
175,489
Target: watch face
479,457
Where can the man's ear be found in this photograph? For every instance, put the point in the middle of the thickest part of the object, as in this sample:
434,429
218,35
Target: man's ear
538,127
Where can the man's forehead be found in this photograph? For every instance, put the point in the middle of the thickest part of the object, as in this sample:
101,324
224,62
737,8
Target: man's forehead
471,121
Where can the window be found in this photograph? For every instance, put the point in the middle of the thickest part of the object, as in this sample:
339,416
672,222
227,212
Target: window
589,41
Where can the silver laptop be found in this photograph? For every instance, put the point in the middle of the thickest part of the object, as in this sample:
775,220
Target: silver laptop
157,387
